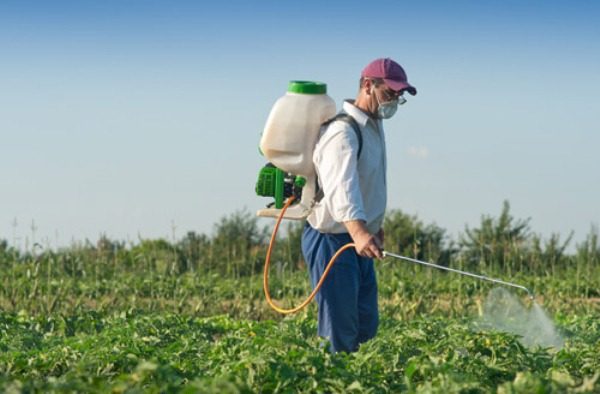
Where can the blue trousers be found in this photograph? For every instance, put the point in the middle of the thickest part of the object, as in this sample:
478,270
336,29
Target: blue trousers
347,302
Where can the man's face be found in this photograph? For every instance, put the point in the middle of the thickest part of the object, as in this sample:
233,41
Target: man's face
380,93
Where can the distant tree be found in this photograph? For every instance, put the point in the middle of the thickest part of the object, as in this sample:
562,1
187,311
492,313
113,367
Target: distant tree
3,251
236,242
589,250
495,241
549,253
407,235
8,254
194,249
588,259
107,247
157,254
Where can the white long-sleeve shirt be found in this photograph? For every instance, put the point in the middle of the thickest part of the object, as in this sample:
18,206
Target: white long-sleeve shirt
353,189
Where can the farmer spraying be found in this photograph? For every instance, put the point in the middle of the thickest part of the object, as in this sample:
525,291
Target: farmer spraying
352,176
331,170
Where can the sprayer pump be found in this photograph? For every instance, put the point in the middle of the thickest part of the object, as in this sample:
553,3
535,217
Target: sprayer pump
276,183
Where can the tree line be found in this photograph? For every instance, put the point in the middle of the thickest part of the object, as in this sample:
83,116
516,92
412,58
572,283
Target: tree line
237,247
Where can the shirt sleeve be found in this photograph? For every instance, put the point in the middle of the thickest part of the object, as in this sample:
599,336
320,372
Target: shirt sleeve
336,162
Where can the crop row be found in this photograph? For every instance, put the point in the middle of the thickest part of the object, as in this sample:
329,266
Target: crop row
168,352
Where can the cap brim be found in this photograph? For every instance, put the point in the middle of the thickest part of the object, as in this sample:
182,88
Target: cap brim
400,85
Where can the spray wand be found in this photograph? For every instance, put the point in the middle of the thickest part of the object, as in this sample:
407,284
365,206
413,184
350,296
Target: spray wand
482,277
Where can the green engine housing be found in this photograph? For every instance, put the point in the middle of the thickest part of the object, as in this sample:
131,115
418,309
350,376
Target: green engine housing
274,182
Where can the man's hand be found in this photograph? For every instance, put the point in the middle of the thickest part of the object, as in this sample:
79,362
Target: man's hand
367,245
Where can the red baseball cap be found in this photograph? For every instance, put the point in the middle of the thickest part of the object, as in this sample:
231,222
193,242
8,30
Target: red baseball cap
391,72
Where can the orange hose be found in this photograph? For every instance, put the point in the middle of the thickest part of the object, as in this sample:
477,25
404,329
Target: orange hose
268,263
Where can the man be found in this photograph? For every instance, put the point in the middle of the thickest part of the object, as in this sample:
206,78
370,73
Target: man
352,207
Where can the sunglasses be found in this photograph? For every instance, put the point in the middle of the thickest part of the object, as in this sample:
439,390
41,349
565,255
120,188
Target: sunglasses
393,95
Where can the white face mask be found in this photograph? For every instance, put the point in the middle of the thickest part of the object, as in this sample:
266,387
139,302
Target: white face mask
387,109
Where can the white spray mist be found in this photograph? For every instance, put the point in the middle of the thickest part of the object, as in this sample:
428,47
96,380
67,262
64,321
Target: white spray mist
503,311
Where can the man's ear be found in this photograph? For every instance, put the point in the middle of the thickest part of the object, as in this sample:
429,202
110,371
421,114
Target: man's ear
367,86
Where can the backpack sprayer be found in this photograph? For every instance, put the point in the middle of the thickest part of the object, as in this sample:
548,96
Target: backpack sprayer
288,141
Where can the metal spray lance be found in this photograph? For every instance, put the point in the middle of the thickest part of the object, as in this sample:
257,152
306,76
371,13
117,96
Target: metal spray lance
482,277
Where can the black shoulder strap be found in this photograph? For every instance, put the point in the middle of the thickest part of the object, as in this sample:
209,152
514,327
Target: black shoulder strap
344,117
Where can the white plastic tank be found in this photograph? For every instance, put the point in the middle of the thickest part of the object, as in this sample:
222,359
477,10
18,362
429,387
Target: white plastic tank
292,128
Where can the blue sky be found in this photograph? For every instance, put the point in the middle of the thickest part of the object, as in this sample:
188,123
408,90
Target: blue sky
129,117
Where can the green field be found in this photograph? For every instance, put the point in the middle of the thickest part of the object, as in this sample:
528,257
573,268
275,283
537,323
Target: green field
189,315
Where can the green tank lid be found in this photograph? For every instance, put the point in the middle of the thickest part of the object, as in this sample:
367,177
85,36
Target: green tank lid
307,87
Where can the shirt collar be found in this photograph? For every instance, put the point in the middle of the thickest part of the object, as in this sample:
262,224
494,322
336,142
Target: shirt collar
361,118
